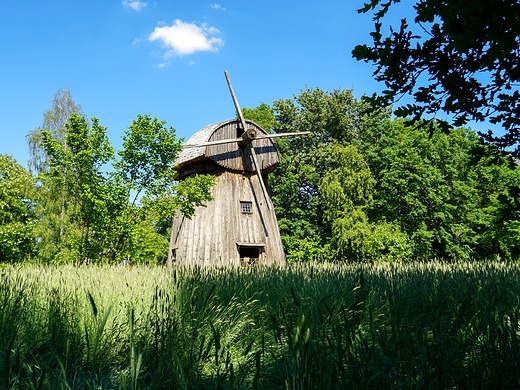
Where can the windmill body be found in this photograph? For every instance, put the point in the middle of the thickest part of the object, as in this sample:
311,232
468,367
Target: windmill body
239,225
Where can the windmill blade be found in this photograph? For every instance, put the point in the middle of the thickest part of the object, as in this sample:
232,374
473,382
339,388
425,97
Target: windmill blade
238,140
219,142
235,101
247,141
259,174
278,135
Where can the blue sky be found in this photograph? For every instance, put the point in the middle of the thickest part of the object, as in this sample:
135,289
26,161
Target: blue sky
167,58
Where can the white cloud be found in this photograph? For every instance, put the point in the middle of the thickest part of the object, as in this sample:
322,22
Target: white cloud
186,38
217,6
136,5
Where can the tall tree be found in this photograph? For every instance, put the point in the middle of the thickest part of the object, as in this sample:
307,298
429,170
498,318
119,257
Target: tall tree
109,215
333,118
347,193
76,167
430,186
427,186
54,120
364,187
52,199
458,57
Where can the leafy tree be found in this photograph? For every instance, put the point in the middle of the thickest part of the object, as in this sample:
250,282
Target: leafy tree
16,211
498,186
145,173
365,187
458,57
347,190
55,230
308,220
87,212
76,168
262,114
428,185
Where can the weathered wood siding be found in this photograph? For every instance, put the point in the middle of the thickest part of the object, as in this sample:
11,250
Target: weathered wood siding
211,236
231,155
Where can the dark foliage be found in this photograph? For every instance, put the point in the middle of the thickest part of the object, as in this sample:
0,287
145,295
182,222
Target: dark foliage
458,57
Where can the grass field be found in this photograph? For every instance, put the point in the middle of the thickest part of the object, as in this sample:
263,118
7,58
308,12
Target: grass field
402,326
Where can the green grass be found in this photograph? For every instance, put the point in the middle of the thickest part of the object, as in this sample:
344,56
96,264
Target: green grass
405,326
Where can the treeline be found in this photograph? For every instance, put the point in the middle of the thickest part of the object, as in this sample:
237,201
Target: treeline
366,187
361,187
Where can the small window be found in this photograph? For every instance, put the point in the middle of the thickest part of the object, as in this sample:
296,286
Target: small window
247,207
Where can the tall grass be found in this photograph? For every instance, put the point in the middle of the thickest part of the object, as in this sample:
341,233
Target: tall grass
408,326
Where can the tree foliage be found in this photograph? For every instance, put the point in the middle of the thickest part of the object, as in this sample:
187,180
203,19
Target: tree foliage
16,211
428,186
145,173
305,185
323,186
262,114
119,213
347,190
76,168
458,57
95,206
365,187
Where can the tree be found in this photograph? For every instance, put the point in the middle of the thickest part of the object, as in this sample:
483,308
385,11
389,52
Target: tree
498,186
76,168
307,217
347,192
54,120
262,114
458,57
16,211
146,178
55,228
88,211
429,186
121,213
365,187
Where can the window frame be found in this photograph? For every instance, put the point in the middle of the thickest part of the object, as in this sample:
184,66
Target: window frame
246,207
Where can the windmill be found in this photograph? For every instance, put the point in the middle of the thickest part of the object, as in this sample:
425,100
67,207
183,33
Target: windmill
239,225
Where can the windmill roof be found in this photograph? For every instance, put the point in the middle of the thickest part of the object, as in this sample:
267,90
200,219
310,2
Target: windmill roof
201,136
229,154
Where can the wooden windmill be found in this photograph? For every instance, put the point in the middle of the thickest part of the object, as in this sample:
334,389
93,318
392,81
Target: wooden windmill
239,225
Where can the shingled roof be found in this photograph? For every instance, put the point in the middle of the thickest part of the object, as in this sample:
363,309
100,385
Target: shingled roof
200,137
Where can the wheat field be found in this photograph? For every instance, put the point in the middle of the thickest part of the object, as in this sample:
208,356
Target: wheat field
307,326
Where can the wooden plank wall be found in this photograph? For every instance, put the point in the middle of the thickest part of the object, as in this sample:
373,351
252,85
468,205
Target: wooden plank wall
211,236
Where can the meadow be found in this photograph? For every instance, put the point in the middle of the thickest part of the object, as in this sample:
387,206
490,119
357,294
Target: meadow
308,326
